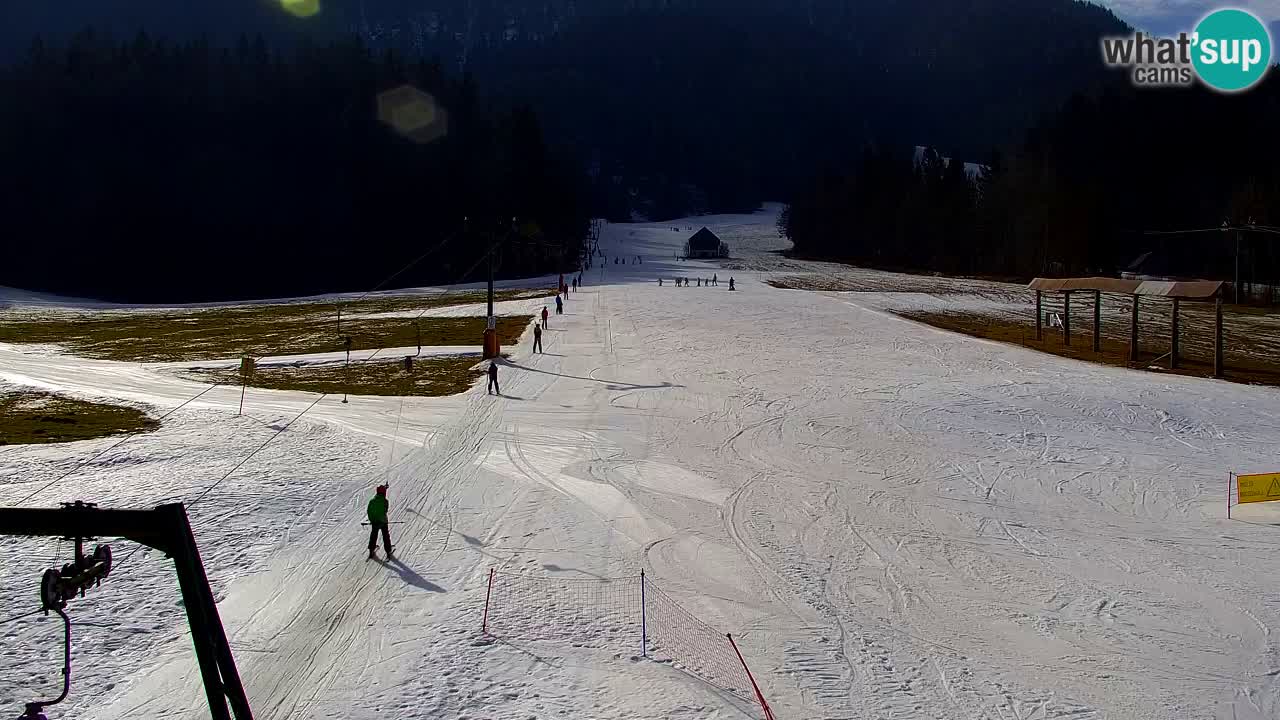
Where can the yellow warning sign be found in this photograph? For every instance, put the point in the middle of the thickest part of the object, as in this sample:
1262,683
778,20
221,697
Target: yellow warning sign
1258,488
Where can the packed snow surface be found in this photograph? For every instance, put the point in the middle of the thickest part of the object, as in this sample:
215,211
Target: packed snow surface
893,521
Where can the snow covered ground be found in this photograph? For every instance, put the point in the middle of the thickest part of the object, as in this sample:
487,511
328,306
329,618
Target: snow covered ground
894,521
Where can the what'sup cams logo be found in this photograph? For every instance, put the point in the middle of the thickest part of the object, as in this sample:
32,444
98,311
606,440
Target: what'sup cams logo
1229,51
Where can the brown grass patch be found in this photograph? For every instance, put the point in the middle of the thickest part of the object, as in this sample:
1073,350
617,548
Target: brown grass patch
32,417
1245,361
256,330
430,377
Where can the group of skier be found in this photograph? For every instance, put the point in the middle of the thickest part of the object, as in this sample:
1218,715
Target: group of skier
702,282
572,285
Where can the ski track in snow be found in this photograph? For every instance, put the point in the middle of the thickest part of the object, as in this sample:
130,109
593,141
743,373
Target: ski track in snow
894,521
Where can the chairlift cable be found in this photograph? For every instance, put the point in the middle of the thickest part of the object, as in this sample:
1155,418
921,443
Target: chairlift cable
246,459
220,383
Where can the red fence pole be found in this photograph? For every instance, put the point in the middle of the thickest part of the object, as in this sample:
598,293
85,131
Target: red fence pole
764,705
484,622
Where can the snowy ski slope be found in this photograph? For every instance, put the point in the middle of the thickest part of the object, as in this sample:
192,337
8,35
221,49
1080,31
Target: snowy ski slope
895,521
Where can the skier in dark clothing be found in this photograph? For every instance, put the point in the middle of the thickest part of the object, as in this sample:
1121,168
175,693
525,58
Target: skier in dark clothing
378,522
559,306
544,317
493,378
730,283
537,338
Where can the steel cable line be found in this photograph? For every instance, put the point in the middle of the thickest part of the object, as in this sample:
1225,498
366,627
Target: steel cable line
220,383
113,446
279,431
1226,228
122,563
256,450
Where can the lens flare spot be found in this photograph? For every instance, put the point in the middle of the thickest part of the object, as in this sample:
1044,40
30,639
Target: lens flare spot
301,8
413,114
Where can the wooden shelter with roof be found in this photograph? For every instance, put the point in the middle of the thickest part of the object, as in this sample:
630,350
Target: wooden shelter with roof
1199,290
705,244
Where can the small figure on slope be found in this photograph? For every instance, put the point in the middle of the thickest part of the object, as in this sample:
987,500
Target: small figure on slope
378,522
730,283
544,317
537,338
559,306
493,377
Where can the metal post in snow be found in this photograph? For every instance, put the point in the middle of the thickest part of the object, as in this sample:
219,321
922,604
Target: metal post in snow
644,626
246,366
1230,478
484,622
1236,283
768,714
347,371
491,248
1219,370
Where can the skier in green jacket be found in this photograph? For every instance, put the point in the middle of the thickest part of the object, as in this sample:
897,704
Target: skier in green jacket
378,521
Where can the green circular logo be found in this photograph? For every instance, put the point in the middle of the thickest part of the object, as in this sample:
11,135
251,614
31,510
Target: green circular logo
1231,50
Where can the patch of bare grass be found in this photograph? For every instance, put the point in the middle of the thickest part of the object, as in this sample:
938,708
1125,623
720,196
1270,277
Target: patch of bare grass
430,377
256,330
33,417
1196,353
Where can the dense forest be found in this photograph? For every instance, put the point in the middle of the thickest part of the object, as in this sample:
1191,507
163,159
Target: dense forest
1081,193
199,169
676,107
153,171
718,104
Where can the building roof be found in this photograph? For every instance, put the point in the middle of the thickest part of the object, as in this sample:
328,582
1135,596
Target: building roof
704,239
973,170
1195,290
